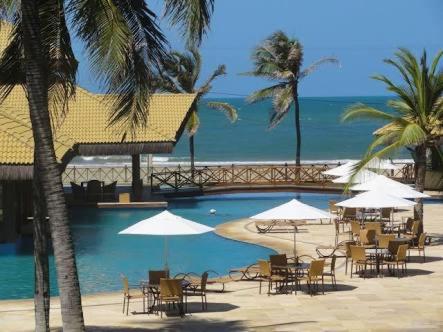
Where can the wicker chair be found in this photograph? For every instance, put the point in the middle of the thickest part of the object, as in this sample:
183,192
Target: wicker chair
383,240
398,262
128,295
314,276
386,214
420,247
374,225
349,214
360,260
348,254
367,237
171,292
267,275
197,287
331,272
355,229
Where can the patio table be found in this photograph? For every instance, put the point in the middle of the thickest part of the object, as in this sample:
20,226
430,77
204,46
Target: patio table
379,254
293,269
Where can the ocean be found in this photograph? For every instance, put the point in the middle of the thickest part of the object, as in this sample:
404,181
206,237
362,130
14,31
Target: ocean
324,137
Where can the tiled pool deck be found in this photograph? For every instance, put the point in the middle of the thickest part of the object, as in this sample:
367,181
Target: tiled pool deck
378,304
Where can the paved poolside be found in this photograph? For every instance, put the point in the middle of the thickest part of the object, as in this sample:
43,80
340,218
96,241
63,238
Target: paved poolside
378,304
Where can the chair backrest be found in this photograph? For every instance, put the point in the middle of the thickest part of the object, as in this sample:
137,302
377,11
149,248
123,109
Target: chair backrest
415,227
350,213
171,287
383,240
124,198
94,187
278,260
367,236
421,240
355,227
316,268
155,276
348,248
333,259
110,188
409,223
332,207
204,281
375,225
265,269
401,252
358,253
386,213
125,283
77,191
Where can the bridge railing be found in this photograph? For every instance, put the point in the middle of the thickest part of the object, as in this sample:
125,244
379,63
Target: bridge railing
180,177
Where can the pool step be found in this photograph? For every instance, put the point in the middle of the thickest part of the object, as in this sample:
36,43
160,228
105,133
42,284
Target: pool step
132,205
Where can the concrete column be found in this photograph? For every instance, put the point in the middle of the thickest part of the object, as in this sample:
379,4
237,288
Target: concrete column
137,184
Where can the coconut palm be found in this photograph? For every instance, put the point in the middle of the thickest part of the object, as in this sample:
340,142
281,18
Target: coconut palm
124,44
180,74
416,122
280,58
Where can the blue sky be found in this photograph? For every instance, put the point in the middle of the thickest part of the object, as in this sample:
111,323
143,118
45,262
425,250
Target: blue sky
360,33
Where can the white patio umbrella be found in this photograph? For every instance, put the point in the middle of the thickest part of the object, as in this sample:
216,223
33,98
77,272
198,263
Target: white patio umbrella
375,199
363,176
341,170
166,224
389,186
377,163
295,213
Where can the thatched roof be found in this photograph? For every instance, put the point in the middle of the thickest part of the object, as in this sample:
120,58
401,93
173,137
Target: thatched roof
85,130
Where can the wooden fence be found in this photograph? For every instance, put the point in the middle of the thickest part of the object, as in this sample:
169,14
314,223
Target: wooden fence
177,178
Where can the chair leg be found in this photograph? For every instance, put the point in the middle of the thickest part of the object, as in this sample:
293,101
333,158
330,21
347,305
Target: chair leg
124,303
323,285
259,289
127,306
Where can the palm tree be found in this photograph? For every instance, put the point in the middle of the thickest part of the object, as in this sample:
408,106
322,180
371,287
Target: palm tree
416,122
280,58
124,44
180,74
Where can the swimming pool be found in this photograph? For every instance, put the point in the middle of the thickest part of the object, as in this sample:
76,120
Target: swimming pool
102,254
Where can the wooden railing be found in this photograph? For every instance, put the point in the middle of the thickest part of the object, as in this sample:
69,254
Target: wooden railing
181,178
177,178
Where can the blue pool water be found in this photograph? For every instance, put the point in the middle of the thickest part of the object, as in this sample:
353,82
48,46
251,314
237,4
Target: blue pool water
102,254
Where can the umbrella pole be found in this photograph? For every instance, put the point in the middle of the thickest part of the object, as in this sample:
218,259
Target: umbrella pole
166,253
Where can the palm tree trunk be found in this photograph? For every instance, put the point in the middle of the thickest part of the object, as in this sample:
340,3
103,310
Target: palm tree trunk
192,155
297,126
41,262
48,169
420,174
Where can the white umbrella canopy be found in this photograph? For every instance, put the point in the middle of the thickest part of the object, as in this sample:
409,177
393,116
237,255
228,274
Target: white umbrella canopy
375,199
341,170
387,185
166,224
361,177
378,163
292,212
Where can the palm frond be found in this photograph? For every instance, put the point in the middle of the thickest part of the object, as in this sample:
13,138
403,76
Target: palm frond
226,108
207,85
314,66
193,123
412,134
360,111
192,16
281,104
265,93
124,44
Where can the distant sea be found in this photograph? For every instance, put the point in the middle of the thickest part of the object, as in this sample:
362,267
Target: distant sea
324,137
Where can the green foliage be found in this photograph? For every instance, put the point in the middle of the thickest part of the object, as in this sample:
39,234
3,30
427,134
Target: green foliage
180,74
280,58
418,109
